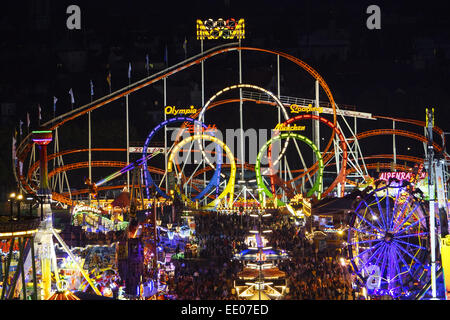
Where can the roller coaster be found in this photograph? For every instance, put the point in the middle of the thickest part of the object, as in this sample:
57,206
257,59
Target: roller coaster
222,178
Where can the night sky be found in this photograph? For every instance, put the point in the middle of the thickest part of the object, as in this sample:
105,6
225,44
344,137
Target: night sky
396,71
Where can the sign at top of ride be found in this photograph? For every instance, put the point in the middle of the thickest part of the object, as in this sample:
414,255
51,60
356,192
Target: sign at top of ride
220,29
295,108
150,150
401,175
171,110
283,127
191,128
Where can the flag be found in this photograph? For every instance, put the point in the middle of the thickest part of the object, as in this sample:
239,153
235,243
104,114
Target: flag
108,79
92,89
39,108
28,120
185,47
147,66
166,56
72,100
129,71
20,126
55,99
14,148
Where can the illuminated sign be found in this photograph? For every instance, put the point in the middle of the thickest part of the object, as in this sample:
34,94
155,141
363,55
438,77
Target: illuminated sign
295,108
283,127
220,29
150,150
210,128
174,111
261,256
401,175
298,198
306,206
241,202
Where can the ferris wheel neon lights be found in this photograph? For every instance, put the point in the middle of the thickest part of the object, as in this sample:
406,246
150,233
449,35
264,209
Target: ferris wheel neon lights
220,28
396,242
262,187
229,188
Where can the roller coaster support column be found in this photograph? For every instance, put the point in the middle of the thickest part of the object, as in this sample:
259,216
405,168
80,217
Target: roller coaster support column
316,123
165,130
128,141
431,192
90,144
241,115
394,147
203,103
279,109
156,239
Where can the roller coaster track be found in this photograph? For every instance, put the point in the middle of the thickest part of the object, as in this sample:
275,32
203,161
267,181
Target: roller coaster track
396,132
26,144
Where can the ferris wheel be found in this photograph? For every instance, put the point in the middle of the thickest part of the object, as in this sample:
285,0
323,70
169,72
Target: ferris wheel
388,242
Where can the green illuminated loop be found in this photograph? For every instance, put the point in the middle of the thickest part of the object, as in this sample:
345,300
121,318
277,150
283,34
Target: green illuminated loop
318,185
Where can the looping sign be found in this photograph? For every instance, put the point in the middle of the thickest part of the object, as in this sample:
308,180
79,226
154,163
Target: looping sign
220,29
295,108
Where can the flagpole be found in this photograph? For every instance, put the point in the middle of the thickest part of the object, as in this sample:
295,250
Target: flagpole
54,106
166,60
147,65
128,129
203,103
90,146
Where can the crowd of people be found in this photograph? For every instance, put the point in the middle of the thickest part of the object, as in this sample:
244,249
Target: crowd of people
206,280
77,237
311,273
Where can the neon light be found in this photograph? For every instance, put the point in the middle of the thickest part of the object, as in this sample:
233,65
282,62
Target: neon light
400,175
43,140
283,127
238,86
229,188
342,172
295,108
18,233
172,110
210,128
147,177
210,29
262,187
